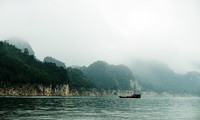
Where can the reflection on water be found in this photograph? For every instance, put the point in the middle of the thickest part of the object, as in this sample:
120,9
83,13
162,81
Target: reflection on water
147,108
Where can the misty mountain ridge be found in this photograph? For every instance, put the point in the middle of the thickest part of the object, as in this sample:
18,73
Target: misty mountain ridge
53,60
21,44
158,77
113,77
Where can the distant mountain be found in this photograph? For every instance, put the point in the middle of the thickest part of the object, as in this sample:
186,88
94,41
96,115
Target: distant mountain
53,60
109,77
192,82
21,44
158,77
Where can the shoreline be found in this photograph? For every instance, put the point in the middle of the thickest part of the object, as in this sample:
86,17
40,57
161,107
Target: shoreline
99,94
64,91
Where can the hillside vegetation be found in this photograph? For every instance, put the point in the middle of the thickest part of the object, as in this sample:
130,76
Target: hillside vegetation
109,77
17,67
53,60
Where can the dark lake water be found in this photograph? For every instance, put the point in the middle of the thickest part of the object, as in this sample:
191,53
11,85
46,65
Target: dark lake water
99,108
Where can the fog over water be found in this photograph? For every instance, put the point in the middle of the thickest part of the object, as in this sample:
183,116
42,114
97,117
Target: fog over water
79,32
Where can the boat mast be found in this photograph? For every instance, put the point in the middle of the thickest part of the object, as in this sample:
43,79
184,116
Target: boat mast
133,84
134,89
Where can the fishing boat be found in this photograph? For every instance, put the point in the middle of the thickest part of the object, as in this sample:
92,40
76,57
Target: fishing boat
134,95
131,96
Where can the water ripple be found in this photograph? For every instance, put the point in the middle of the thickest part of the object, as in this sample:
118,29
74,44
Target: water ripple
90,108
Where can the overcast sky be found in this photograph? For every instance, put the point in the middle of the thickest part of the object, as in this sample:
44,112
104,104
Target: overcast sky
79,32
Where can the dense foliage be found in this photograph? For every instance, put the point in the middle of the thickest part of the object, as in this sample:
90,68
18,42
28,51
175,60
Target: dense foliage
109,77
78,81
17,67
20,68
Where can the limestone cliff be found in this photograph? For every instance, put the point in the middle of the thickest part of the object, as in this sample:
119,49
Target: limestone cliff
34,90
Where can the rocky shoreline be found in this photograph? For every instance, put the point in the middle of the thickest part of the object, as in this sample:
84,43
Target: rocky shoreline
59,90
64,90
34,90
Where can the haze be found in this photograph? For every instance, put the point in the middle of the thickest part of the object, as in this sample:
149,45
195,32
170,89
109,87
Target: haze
79,32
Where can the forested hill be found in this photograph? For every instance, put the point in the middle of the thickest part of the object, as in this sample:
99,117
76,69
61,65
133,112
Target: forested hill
17,67
109,77
21,44
20,68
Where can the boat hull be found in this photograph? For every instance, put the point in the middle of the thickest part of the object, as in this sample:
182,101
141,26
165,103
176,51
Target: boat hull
132,96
